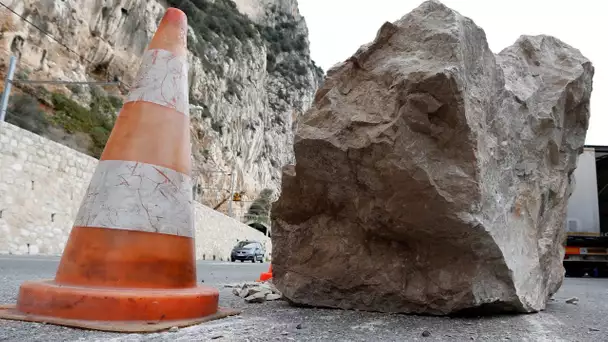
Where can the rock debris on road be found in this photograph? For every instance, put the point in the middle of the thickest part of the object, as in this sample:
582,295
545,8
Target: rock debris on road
278,321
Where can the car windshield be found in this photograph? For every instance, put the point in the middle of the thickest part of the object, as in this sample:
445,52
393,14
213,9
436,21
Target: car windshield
246,244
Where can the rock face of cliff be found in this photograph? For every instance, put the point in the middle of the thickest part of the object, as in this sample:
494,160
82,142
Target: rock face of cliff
250,75
431,175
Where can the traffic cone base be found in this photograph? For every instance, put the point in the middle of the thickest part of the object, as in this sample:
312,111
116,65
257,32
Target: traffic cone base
47,298
130,257
10,312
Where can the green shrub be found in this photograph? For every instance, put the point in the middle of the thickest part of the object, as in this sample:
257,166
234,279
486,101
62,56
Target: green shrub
231,53
232,89
286,45
70,115
219,17
25,112
75,88
217,126
23,74
271,61
115,101
300,43
260,208
96,122
318,71
100,137
300,68
218,23
71,124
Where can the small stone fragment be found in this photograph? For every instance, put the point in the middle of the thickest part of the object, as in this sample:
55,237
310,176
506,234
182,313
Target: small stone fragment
243,293
215,337
258,297
274,289
264,285
573,300
173,329
272,296
299,326
264,288
236,291
249,291
426,333
284,333
594,329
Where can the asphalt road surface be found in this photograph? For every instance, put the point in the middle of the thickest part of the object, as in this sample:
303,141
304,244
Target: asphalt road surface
278,321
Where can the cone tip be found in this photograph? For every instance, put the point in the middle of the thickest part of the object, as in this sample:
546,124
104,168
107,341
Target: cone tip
174,15
171,34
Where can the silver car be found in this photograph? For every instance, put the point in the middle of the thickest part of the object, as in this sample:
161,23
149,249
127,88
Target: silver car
248,250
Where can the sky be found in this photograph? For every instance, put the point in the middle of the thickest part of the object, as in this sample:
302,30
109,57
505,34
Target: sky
337,28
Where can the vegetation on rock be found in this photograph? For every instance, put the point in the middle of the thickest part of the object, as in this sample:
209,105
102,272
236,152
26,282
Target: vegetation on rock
94,124
260,208
218,25
25,112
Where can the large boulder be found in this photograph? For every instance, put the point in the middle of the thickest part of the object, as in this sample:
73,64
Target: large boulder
431,175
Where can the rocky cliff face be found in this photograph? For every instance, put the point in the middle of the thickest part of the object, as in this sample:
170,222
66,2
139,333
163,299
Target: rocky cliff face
431,175
250,74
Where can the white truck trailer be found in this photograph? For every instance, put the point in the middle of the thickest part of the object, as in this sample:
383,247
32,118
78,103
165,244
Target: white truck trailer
587,219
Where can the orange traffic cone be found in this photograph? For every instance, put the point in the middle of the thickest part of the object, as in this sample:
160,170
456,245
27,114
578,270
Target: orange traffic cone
264,276
130,258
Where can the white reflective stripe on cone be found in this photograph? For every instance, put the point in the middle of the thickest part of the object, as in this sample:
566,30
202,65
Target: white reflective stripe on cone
138,196
162,79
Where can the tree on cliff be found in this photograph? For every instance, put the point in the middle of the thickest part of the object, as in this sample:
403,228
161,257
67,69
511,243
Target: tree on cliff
260,208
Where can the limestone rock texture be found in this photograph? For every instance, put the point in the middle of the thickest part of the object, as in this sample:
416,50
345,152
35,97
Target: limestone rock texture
431,175
250,74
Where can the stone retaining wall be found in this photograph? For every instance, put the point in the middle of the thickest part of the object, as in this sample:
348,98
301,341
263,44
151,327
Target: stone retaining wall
41,187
